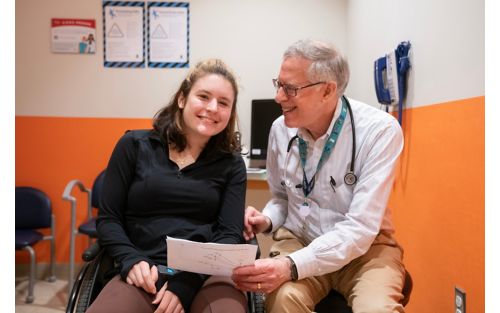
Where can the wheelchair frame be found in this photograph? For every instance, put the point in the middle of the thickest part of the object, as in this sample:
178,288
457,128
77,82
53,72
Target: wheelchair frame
91,279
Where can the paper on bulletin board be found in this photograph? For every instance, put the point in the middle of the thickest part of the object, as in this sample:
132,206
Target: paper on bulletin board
73,35
168,33
124,32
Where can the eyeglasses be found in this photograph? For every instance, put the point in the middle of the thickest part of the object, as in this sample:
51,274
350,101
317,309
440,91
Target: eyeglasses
291,91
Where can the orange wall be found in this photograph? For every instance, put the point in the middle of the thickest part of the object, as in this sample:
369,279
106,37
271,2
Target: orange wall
51,151
437,202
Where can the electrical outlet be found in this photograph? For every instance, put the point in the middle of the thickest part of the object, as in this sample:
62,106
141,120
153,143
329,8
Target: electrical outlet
459,300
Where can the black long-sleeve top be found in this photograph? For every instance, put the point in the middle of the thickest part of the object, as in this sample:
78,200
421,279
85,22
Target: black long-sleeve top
146,198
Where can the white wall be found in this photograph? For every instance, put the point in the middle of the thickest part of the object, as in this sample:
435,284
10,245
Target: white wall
249,35
447,54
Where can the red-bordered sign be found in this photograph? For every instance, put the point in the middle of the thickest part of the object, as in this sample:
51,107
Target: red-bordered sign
69,35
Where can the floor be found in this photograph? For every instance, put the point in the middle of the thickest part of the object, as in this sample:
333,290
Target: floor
49,297
53,297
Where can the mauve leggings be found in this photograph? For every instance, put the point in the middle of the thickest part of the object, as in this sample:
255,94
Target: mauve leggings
118,296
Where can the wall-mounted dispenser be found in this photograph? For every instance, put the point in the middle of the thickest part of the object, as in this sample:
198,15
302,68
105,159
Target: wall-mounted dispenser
390,74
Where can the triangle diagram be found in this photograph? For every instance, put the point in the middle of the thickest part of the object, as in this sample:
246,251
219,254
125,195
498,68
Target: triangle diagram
159,33
115,31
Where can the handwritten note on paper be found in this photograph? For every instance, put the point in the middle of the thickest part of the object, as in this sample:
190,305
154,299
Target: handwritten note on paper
208,258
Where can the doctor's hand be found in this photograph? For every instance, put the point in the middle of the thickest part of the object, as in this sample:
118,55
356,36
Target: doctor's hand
255,222
142,276
265,275
167,301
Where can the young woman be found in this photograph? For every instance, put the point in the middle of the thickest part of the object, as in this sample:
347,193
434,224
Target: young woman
185,179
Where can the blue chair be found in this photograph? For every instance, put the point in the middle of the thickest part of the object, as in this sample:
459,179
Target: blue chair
34,212
87,228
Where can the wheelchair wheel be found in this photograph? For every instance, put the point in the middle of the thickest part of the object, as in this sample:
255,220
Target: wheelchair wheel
259,305
86,295
93,276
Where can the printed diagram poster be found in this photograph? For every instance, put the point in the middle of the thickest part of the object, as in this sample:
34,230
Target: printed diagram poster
168,33
73,35
124,34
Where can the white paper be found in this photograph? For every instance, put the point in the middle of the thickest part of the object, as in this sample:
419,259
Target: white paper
256,151
208,258
124,34
168,34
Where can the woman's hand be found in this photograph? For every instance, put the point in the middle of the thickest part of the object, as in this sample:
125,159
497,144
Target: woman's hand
168,301
142,276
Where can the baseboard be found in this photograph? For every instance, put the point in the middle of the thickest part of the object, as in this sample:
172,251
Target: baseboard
43,270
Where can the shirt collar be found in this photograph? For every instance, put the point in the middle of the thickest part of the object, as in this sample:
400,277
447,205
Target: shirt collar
304,133
154,135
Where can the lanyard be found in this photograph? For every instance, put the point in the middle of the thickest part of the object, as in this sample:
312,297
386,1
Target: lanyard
308,185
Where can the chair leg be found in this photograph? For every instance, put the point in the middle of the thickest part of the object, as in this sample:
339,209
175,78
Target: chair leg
52,277
31,284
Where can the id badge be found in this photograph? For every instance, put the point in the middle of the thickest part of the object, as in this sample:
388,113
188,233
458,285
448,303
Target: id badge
304,210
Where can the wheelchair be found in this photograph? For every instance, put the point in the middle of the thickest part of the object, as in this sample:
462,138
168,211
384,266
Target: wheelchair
95,274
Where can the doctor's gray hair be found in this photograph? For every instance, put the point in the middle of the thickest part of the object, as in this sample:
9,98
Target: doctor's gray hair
328,64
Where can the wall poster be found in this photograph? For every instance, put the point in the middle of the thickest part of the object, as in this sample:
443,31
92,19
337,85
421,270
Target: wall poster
124,38
70,35
168,34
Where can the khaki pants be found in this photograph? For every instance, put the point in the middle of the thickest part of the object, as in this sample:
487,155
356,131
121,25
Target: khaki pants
371,283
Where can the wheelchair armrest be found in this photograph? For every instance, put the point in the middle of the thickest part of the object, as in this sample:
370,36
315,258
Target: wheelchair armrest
91,252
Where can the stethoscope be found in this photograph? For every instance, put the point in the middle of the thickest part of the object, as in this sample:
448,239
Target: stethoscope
349,178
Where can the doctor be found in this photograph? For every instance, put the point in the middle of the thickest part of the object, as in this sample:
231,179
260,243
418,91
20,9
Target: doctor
330,172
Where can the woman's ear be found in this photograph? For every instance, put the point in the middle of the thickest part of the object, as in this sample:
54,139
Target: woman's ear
181,101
